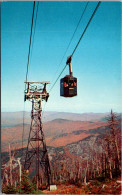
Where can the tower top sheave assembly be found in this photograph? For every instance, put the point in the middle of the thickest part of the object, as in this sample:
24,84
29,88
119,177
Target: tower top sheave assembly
36,90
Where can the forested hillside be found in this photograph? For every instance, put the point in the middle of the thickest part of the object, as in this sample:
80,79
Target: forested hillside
92,152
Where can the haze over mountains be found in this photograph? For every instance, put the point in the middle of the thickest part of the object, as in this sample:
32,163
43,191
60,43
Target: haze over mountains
9,119
59,128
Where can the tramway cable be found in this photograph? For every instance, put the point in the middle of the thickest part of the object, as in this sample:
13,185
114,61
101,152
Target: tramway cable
70,57
86,28
68,84
58,77
73,35
67,50
23,127
35,26
30,40
35,93
53,86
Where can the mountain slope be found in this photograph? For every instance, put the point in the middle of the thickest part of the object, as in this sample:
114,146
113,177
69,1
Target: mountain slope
58,132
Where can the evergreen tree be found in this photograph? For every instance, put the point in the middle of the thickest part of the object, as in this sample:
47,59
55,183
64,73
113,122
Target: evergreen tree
26,185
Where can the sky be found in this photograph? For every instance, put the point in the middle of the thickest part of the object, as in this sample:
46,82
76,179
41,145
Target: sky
96,62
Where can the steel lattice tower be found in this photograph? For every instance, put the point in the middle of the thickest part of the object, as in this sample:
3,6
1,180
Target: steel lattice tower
36,148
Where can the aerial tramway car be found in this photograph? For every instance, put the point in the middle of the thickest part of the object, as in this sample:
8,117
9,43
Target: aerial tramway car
68,84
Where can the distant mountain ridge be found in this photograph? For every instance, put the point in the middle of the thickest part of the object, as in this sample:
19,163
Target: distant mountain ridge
15,118
58,132
60,128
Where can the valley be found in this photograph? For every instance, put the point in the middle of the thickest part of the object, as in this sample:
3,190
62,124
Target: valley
58,132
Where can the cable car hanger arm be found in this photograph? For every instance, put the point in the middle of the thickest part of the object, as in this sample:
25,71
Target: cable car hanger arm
68,62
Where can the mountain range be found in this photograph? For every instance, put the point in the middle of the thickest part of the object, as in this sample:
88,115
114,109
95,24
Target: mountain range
60,128
16,118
